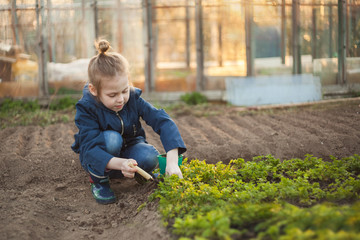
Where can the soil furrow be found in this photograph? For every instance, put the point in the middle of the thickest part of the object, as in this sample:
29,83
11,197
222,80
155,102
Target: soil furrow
196,130
8,143
305,125
207,130
253,136
249,123
5,135
224,126
328,125
216,132
344,119
24,141
301,141
252,139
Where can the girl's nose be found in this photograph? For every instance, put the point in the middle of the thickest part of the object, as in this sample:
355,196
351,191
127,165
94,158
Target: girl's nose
120,98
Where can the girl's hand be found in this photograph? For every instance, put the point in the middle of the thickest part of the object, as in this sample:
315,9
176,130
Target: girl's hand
122,164
172,166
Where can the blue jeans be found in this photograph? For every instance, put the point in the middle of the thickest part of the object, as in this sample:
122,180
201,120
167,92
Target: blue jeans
138,149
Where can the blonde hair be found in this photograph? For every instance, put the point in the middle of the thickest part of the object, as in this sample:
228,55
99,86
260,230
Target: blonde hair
106,64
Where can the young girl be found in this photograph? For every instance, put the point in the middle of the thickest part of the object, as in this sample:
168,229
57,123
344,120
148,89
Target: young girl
110,135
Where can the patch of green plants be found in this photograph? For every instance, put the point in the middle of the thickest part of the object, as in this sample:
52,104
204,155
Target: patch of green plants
10,105
264,199
64,91
21,113
193,98
63,103
355,94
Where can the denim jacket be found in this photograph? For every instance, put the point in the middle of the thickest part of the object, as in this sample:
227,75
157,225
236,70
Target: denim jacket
92,118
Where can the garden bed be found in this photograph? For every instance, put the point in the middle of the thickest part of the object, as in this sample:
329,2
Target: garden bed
46,195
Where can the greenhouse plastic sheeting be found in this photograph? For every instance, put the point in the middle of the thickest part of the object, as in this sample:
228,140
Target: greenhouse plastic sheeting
263,90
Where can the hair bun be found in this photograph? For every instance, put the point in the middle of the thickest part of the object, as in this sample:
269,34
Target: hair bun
103,46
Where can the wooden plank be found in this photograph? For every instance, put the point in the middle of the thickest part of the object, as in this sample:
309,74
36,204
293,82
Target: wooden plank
19,89
7,59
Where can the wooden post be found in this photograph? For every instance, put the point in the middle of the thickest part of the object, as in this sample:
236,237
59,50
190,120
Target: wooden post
187,34
342,42
83,32
283,32
15,22
42,49
330,32
52,31
348,36
314,34
249,10
353,16
148,42
199,46
117,27
220,47
154,42
295,37
96,20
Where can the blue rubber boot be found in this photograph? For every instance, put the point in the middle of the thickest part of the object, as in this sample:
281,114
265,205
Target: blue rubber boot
101,191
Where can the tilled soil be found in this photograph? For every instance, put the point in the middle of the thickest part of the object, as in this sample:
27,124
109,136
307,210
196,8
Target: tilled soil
45,194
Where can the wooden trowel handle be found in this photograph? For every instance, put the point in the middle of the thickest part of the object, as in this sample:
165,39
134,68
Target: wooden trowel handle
142,172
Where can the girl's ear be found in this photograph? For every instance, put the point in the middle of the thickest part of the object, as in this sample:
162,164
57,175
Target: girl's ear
92,89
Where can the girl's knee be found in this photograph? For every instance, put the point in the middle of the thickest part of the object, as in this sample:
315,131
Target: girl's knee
113,141
150,158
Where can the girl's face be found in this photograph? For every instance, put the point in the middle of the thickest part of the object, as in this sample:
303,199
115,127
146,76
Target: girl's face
115,92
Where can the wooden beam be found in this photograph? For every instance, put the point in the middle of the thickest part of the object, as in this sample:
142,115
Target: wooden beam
249,11
314,33
83,26
296,37
42,48
220,23
330,31
154,42
342,42
52,32
96,24
283,32
14,24
148,43
199,46
347,23
187,34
